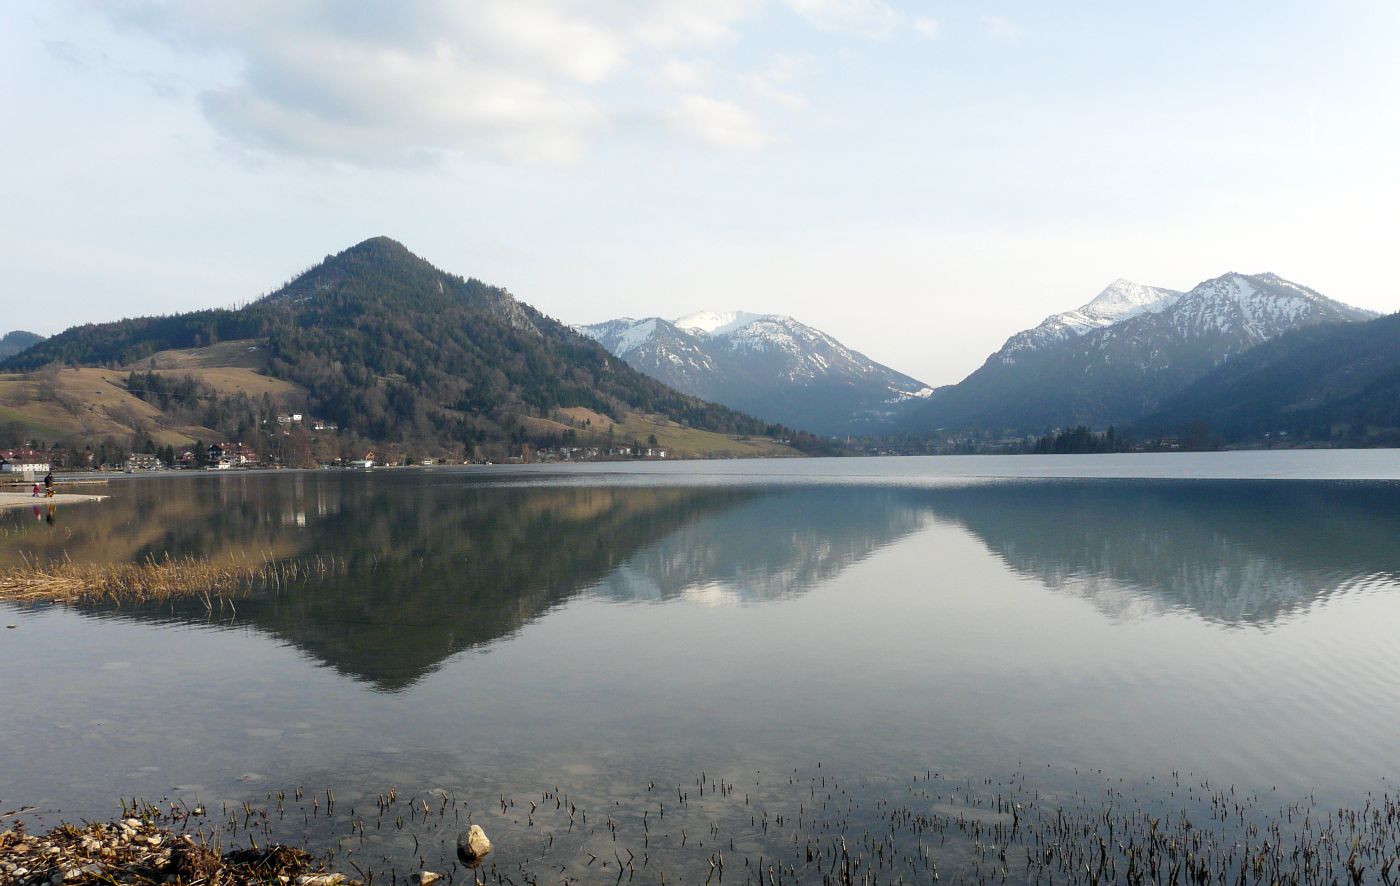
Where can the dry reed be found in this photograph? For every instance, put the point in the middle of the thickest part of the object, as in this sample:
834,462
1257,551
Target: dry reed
154,580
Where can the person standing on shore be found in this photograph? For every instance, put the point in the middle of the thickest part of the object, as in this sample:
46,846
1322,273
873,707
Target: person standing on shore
36,492
48,485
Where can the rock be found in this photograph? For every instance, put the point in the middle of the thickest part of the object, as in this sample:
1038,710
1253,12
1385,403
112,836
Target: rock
320,879
425,878
472,846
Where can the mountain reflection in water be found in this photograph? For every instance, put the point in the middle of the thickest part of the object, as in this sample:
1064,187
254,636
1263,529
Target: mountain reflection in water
1236,552
437,563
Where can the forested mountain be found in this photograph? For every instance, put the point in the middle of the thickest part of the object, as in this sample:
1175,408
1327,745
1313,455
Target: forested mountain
12,343
1336,383
768,365
1125,369
393,349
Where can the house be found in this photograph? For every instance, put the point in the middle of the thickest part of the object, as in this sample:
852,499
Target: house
138,461
223,456
24,461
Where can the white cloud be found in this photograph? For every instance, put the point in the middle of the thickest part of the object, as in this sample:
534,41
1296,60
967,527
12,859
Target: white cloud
928,28
772,83
866,18
718,122
683,76
516,80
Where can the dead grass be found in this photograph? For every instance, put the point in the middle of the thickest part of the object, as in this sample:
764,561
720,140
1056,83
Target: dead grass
153,580
684,442
679,441
245,354
87,402
142,850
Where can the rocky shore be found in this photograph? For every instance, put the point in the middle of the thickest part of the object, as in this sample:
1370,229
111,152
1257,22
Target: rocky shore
146,850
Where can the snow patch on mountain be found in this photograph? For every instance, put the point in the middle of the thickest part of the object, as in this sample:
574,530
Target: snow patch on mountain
635,335
764,364
718,322
1121,300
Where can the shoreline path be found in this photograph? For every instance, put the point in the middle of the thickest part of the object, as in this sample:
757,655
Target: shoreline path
26,499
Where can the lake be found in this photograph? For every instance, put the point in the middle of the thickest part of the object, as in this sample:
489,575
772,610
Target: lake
685,659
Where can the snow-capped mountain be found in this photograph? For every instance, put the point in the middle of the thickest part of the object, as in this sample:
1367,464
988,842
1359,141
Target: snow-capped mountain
1123,368
1122,300
1253,309
769,365
717,322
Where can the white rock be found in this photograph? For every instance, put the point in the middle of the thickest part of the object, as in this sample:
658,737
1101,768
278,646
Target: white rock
472,846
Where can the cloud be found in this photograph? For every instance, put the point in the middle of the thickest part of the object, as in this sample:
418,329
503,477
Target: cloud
683,76
529,81
771,83
927,28
719,123
866,18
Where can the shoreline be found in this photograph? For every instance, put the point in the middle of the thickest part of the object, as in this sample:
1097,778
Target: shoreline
806,825
9,500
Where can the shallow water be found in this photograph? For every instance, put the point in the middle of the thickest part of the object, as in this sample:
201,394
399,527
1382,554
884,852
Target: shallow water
1064,625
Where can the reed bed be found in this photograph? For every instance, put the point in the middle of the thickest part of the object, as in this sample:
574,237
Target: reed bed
155,580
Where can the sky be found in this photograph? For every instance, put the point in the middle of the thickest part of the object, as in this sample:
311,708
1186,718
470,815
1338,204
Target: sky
918,179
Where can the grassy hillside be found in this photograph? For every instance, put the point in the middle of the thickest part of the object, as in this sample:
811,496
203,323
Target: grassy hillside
395,352
83,404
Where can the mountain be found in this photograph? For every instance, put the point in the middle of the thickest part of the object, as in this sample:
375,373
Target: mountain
1337,383
1122,300
1126,367
12,343
764,364
395,350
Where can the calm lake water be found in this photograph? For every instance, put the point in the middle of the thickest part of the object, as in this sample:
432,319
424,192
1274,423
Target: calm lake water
1144,629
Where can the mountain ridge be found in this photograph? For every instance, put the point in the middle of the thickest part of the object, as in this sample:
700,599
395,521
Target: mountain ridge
394,349
1121,371
17,340
769,365
1120,300
1332,383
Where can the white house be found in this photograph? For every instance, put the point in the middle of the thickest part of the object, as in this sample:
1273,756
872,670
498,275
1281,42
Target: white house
28,463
